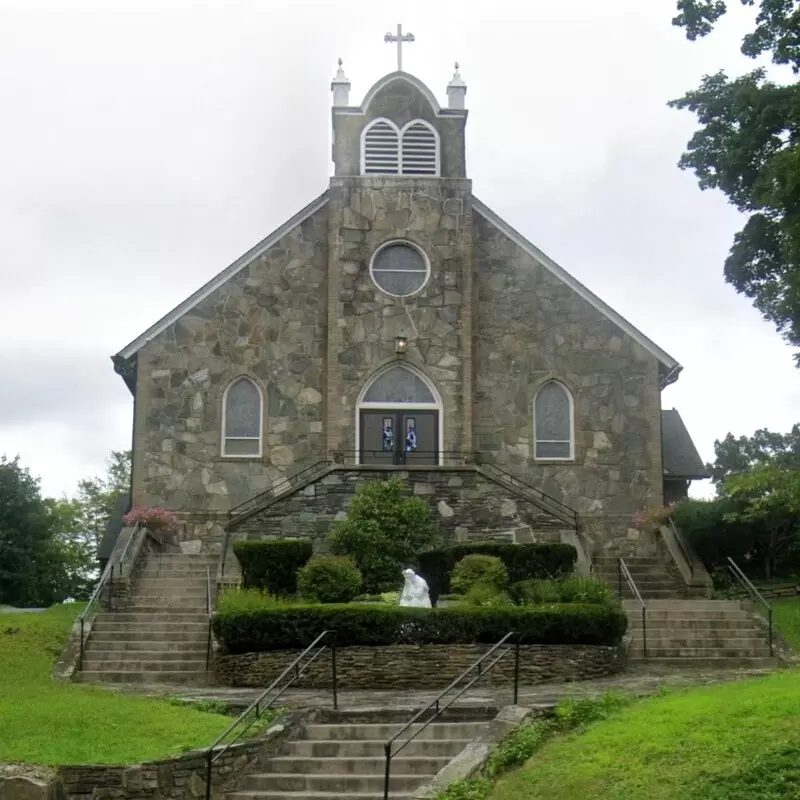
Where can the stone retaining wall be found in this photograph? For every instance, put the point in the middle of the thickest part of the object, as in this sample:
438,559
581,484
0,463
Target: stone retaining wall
430,666
466,504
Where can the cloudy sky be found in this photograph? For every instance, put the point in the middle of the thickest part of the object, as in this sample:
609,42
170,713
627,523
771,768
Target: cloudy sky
144,145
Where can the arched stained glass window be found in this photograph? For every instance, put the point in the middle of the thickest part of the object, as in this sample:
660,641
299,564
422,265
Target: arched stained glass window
552,422
242,419
399,385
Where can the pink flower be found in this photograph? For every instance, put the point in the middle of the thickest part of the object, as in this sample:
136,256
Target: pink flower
155,519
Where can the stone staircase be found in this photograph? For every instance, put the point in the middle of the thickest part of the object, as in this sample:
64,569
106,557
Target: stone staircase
700,633
343,757
162,635
650,574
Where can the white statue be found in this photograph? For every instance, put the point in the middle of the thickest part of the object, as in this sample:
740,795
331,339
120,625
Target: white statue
415,591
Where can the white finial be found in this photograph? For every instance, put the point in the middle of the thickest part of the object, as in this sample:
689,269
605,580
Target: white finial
340,86
456,90
400,38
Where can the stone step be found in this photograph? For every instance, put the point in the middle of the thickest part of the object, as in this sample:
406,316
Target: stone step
677,641
184,558
652,594
693,605
111,651
156,626
372,749
199,678
165,592
150,610
91,663
149,639
364,765
673,662
176,582
733,622
162,615
381,730
346,785
159,572
700,652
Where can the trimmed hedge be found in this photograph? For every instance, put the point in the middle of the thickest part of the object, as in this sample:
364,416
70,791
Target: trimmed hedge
295,627
523,561
272,564
330,579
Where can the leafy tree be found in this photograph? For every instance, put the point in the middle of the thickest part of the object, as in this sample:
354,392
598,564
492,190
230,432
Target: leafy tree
384,532
97,496
735,455
31,558
749,147
767,498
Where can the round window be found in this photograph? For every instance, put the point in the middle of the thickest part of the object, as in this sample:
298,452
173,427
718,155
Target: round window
399,269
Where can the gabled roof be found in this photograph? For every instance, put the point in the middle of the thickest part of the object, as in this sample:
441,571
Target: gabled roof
218,280
670,367
678,453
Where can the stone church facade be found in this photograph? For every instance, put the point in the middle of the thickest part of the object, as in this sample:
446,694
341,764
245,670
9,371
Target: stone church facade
398,322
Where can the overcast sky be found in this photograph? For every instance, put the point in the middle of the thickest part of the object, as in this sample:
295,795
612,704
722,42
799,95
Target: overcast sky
145,145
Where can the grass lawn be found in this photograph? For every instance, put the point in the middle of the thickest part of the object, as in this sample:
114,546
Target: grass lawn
47,722
739,741
786,618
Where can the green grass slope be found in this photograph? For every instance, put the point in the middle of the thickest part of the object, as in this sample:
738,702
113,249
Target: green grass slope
739,741
786,618
47,722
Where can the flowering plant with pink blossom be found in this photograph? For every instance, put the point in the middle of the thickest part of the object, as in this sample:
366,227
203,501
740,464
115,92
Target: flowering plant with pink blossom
652,518
156,520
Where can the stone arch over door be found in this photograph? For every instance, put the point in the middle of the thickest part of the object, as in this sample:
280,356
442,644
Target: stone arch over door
399,418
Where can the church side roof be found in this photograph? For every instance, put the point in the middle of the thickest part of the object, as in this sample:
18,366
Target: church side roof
679,454
218,280
671,368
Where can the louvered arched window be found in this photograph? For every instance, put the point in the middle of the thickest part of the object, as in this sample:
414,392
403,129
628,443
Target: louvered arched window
242,416
410,150
553,426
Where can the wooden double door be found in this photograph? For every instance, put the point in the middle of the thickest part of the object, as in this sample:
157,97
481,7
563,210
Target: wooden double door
399,437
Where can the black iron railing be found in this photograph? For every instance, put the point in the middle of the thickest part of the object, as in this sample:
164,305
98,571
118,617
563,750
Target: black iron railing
210,612
625,573
754,593
268,698
106,582
281,487
438,706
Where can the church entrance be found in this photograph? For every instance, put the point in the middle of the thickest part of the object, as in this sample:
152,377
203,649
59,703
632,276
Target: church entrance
399,437
399,419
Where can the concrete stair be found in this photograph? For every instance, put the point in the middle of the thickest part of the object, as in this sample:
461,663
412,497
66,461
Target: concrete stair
650,574
344,758
162,636
701,633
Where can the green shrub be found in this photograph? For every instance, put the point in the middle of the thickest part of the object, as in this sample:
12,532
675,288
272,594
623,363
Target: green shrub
234,600
523,561
384,530
332,579
477,568
292,627
562,590
272,564
486,594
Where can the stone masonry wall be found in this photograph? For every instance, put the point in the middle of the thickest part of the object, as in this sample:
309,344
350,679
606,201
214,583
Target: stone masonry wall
466,505
529,328
428,667
267,322
435,215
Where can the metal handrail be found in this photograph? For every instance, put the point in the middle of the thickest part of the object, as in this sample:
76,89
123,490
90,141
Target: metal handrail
439,709
747,583
210,612
215,752
106,578
252,504
682,545
570,516
626,573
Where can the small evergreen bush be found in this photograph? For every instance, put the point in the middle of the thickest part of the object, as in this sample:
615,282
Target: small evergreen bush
272,564
332,579
384,531
477,568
